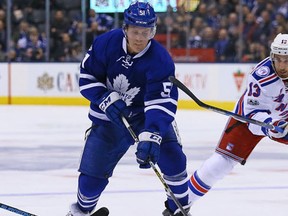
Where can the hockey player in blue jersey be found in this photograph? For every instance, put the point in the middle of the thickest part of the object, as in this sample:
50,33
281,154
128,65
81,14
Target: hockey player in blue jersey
125,73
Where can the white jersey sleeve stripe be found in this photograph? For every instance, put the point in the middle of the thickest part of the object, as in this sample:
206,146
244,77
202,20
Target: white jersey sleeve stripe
159,108
91,85
87,76
159,101
98,115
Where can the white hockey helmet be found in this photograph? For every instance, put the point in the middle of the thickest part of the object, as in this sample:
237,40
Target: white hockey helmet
279,55
280,45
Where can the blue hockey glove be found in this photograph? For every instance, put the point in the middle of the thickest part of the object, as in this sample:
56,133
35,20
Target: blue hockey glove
148,148
274,134
114,107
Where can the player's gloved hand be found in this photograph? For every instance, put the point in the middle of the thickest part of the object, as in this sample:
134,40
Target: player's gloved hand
273,133
148,148
114,107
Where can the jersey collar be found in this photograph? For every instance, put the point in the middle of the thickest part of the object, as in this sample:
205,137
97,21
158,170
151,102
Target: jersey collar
124,46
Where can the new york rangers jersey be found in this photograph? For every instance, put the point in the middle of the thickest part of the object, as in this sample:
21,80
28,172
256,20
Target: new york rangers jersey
141,79
264,97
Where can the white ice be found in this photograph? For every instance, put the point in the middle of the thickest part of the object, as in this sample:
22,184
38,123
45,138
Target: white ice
40,147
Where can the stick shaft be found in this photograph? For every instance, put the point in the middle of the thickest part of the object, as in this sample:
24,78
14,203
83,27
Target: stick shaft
167,188
222,111
15,210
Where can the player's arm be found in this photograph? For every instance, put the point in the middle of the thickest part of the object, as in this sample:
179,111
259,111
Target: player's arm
92,85
92,74
160,107
258,105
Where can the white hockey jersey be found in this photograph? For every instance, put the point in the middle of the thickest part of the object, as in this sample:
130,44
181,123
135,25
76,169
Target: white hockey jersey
265,96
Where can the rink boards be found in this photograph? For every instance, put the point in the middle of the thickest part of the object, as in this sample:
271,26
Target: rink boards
57,83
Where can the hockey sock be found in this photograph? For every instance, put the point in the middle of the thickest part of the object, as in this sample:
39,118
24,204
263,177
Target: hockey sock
178,185
212,170
89,191
197,187
172,163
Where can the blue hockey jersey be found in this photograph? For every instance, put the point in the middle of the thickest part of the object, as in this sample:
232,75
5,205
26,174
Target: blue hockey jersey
141,80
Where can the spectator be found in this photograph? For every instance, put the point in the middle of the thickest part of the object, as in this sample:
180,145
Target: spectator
76,52
249,3
243,9
161,25
75,31
13,56
279,20
201,12
195,40
180,26
91,34
22,36
271,9
255,52
221,46
214,18
17,15
63,49
225,7
249,27
199,24
283,8
2,35
262,21
59,26
34,51
208,38
2,53
3,15
264,27
258,7
233,22
105,22
21,4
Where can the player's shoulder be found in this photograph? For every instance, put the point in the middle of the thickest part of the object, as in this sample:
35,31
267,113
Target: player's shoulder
158,48
160,53
159,60
264,72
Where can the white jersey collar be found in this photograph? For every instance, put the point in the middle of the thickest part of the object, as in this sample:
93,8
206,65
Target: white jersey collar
124,46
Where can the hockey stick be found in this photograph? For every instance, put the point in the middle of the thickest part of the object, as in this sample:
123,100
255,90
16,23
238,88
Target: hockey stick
221,111
15,210
167,188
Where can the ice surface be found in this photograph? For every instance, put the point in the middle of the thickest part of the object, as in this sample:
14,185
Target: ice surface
40,147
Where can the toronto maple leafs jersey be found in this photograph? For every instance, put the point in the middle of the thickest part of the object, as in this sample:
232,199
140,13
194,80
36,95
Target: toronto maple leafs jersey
265,96
141,79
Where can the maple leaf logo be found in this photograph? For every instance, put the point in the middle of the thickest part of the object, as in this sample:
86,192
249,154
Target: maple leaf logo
45,82
121,85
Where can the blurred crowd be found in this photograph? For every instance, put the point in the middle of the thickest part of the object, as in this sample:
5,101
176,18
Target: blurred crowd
211,24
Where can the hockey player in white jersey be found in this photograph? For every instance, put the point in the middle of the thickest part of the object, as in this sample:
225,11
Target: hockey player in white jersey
125,73
265,99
